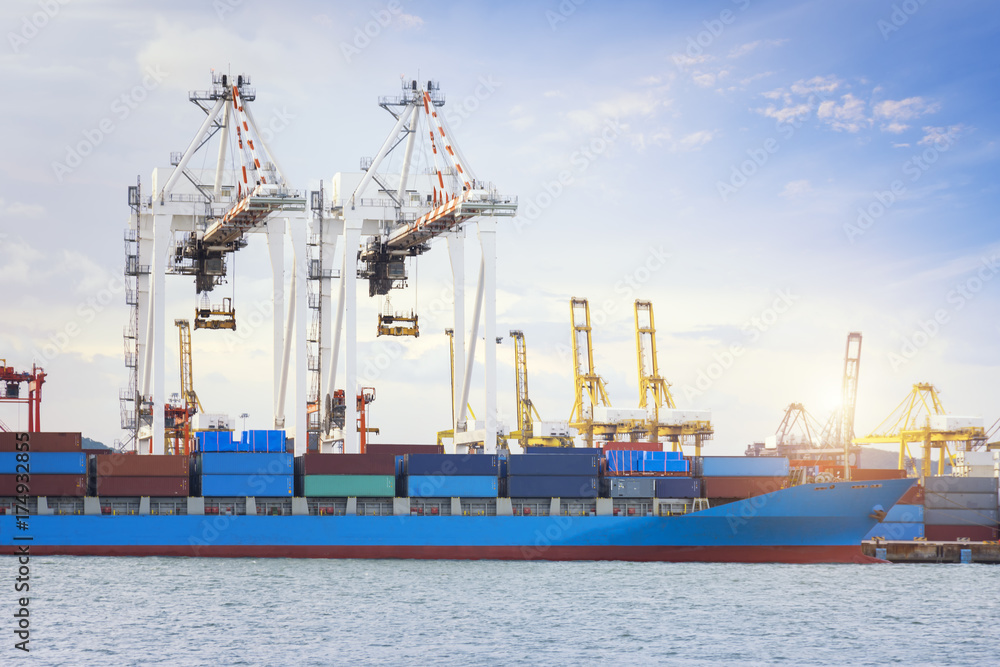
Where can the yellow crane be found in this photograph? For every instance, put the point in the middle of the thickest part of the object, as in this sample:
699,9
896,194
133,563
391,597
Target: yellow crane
921,418
525,433
585,379
178,416
654,390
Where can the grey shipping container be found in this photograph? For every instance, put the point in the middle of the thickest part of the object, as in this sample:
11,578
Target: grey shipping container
960,485
960,517
552,464
961,501
631,487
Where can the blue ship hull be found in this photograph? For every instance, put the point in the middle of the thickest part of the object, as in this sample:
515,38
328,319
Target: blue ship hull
809,523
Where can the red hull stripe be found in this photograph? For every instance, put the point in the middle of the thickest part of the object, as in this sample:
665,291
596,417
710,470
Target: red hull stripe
746,554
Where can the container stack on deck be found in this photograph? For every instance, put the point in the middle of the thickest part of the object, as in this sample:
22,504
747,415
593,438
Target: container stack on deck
647,472
546,472
57,467
369,475
451,475
260,442
740,477
904,520
126,475
960,508
234,474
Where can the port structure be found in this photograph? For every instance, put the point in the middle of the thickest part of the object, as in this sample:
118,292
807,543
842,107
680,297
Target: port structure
192,221
589,389
11,392
387,215
921,418
849,398
663,417
179,417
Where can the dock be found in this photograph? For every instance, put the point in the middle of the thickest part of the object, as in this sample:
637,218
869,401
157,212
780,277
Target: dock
921,551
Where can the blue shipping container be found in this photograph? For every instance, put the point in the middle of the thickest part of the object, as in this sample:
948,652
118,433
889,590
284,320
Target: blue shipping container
905,514
44,463
639,461
536,486
232,463
744,466
451,486
563,450
678,487
552,464
451,464
267,486
896,531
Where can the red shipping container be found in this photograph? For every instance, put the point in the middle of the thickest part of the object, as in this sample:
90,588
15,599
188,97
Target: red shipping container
42,442
953,533
147,465
869,474
741,487
348,464
399,450
632,446
46,485
142,486
915,496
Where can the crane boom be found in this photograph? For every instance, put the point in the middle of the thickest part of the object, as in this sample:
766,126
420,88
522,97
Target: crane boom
525,427
650,381
849,395
584,376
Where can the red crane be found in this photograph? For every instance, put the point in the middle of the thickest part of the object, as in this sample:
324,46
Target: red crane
11,392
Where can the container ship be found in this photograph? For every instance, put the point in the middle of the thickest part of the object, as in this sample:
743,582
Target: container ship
412,501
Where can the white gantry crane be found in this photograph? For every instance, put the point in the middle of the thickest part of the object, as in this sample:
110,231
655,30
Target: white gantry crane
192,221
398,210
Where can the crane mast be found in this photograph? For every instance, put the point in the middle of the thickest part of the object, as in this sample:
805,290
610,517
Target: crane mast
849,394
525,428
651,384
585,379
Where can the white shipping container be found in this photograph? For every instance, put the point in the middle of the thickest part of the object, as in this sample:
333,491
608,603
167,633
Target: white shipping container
679,417
974,458
606,415
954,422
553,430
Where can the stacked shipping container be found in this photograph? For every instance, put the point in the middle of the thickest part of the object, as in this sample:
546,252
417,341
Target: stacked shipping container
132,475
259,442
371,475
960,508
904,520
56,465
559,472
739,477
451,475
243,474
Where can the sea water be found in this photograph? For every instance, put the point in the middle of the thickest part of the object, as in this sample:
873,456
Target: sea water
181,611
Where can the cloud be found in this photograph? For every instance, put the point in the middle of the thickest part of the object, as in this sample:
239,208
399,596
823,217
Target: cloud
21,210
797,102
696,140
796,189
848,116
893,113
750,47
934,135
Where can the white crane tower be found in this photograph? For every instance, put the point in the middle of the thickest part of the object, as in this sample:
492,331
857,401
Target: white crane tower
191,222
399,213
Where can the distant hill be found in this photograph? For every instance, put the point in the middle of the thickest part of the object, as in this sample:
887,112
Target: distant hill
93,444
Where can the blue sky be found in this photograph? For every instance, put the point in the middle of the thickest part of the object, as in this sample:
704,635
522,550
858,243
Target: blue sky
741,140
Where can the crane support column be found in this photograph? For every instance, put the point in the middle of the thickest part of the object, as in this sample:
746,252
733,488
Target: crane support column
297,230
161,248
463,404
456,252
329,234
276,249
352,239
488,241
